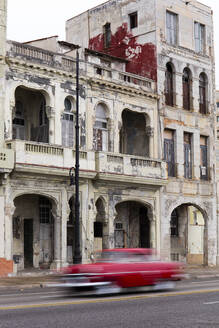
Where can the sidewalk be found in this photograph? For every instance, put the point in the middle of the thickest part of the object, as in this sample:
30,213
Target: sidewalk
38,278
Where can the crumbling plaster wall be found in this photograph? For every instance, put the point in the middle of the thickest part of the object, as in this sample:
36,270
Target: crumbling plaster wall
115,194
175,118
137,44
54,88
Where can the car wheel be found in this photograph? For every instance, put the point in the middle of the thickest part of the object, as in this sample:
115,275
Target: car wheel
112,288
165,285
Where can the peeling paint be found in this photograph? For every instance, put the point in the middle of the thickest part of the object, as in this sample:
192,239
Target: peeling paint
142,57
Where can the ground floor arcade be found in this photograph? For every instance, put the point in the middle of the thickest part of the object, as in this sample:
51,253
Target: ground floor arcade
39,223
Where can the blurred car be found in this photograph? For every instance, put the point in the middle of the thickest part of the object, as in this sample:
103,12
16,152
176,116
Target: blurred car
117,270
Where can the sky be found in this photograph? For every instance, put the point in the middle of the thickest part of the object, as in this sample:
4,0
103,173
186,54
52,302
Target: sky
35,19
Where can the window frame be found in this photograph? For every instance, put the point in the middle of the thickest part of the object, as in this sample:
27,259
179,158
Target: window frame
199,39
172,28
107,34
133,20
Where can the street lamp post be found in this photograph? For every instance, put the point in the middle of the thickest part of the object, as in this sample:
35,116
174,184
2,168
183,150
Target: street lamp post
77,245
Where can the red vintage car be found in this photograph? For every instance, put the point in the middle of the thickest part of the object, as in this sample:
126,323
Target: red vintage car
117,270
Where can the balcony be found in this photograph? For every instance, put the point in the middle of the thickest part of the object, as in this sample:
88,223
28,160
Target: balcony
38,56
131,168
6,159
42,157
53,159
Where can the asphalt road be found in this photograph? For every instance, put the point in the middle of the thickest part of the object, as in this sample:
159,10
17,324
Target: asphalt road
193,304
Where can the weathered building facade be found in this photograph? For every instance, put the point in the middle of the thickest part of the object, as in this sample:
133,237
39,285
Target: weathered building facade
146,135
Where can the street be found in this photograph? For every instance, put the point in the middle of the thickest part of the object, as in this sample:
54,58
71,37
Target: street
193,304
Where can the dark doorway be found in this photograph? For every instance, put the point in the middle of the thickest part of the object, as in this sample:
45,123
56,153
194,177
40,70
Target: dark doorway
144,228
28,243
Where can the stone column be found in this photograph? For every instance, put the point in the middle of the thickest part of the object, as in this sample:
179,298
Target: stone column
179,92
196,157
9,211
153,233
57,243
150,134
180,152
50,112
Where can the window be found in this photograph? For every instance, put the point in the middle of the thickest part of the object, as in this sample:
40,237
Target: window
171,28
100,132
18,122
217,104
169,85
133,19
203,158
186,81
98,229
217,118
68,124
44,210
203,93
199,37
169,155
107,35
174,224
187,156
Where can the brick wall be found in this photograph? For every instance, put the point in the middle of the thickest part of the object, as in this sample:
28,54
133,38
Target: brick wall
6,267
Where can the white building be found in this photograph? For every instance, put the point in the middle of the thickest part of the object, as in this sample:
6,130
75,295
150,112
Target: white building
147,136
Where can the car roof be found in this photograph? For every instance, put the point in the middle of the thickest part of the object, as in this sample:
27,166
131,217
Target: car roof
142,251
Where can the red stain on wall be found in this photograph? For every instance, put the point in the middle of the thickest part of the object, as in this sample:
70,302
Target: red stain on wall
142,57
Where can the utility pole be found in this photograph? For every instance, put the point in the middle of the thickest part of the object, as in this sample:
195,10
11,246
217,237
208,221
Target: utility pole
77,249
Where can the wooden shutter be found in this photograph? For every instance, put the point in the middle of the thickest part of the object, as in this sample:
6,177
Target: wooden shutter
169,86
169,156
204,162
186,90
187,161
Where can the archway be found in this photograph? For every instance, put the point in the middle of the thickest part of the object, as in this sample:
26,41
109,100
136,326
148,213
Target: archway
100,226
188,235
33,231
30,121
132,225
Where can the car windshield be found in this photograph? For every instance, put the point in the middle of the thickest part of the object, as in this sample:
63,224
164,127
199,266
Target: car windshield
123,257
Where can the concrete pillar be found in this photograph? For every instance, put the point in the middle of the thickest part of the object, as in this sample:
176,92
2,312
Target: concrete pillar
150,134
179,102
195,88
3,15
153,233
196,157
51,117
9,211
180,152
2,227
57,243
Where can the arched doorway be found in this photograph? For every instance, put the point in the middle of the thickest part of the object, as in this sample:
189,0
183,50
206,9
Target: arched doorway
33,232
99,226
132,225
188,235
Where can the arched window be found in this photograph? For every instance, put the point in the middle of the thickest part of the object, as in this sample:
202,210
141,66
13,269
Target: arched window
169,85
68,124
203,93
100,130
187,84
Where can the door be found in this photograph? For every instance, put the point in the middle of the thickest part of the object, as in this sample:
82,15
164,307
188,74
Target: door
169,156
144,229
119,238
28,243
